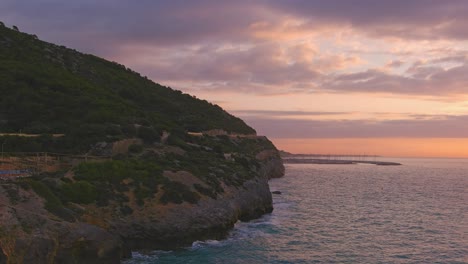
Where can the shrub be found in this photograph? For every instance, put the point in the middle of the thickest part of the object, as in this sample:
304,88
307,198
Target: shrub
129,130
176,141
176,192
113,130
148,134
52,202
81,192
135,148
141,194
170,196
125,210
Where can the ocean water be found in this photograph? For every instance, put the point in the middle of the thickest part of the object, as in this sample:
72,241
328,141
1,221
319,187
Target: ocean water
415,213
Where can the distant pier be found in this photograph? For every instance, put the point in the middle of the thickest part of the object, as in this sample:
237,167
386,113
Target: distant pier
330,161
289,158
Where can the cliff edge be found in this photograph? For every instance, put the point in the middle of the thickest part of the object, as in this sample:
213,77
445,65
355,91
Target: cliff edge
98,161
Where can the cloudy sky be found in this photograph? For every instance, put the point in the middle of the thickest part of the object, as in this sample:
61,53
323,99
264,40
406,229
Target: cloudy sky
350,76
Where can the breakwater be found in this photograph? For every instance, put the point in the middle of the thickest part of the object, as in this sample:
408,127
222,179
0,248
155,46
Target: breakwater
330,161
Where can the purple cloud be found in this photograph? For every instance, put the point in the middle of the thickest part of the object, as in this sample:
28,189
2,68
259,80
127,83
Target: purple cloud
185,41
103,26
94,25
422,80
418,19
448,127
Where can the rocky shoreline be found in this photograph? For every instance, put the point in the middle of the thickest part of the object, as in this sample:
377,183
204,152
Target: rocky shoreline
133,165
180,225
29,234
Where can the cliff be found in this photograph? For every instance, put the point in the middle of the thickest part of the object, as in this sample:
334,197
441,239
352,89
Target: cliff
117,162
35,230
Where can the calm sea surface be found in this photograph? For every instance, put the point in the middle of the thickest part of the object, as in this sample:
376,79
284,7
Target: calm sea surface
415,213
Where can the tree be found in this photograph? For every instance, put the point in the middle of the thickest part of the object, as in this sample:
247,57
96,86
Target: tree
148,134
16,28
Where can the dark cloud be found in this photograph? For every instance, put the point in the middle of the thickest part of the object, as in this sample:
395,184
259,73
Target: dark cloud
96,25
195,35
448,127
418,19
243,46
420,80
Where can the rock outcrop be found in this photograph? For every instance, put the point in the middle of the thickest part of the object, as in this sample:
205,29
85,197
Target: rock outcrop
179,225
31,234
135,164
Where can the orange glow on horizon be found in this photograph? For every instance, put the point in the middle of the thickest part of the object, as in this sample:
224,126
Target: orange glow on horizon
390,147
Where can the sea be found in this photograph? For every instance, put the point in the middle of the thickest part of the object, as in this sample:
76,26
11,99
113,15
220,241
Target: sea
413,213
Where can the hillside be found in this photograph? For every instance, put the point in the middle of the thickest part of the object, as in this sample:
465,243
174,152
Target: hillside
115,162
51,89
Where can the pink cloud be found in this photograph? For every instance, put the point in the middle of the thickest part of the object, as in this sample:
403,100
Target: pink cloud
446,127
185,42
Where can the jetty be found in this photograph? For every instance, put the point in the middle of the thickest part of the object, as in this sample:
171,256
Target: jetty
330,161
343,159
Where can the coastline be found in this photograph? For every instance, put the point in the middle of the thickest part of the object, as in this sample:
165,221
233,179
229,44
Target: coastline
181,225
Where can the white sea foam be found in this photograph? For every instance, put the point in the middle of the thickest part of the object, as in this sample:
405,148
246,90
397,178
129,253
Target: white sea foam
199,244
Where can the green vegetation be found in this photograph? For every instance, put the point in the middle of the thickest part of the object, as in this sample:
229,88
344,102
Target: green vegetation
144,177
135,148
109,178
79,192
52,202
176,192
117,170
48,89
111,181
51,89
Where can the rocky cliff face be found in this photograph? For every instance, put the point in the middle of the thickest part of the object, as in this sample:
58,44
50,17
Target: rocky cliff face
31,234
180,225
136,165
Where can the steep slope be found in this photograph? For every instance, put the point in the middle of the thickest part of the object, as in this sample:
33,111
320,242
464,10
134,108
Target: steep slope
118,162
51,89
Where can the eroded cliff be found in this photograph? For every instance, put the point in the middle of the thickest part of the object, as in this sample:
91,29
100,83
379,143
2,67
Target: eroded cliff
37,224
98,160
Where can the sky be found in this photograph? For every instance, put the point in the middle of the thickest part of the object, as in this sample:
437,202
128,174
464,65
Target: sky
354,77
